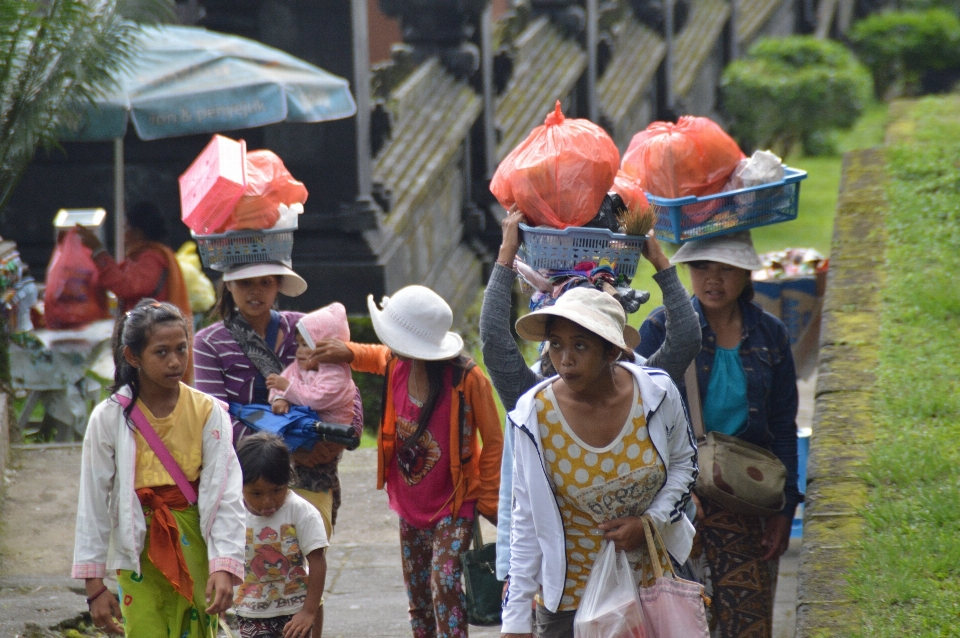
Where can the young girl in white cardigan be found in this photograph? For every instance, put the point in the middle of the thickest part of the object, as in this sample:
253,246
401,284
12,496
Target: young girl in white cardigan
160,490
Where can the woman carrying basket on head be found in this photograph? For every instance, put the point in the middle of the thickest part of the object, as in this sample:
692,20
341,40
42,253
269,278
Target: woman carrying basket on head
512,378
748,389
597,447
236,355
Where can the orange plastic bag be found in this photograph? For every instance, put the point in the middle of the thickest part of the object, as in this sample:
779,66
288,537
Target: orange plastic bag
269,184
692,157
72,297
560,174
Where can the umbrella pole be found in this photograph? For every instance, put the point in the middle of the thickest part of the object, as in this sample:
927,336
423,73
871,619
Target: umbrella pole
119,211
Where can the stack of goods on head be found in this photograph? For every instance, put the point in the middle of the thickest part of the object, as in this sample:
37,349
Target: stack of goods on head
241,206
587,221
18,291
700,183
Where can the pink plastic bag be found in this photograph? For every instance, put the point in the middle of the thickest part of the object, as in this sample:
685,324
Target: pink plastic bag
610,607
72,297
560,174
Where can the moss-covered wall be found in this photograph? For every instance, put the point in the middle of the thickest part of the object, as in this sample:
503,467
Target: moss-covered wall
843,431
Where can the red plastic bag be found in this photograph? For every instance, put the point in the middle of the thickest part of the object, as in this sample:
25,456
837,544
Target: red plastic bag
692,157
269,184
560,174
72,297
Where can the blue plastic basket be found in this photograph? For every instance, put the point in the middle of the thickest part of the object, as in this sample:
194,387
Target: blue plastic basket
552,249
683,219
222,251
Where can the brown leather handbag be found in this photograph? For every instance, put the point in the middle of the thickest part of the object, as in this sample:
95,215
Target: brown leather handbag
739,476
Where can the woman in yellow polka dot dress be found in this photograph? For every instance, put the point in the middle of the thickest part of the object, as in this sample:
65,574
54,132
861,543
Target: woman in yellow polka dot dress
597,447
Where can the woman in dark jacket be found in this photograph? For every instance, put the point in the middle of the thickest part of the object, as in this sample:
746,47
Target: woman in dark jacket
748,389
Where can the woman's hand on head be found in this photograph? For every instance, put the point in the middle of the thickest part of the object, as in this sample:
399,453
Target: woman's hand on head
330,351
653,253
105,609
626,533
88,238
776,536
511,237
219,592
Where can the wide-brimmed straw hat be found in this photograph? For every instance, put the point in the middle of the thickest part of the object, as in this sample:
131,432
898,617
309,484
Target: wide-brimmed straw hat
291,284
589,308
415,322
735,249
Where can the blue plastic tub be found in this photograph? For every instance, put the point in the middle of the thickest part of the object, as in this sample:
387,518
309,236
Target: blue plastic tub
553,249
686,218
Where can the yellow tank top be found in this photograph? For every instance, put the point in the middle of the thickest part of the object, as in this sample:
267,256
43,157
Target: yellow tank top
594,485
182,432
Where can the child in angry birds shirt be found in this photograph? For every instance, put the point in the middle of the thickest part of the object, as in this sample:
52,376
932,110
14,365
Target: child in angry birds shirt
287,600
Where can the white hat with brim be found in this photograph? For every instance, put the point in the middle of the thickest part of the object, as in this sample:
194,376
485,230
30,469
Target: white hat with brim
735,249
590,309
415,323
291,284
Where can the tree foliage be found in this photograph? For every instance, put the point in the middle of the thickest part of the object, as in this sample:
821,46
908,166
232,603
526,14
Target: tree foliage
794,89
54,56
900,46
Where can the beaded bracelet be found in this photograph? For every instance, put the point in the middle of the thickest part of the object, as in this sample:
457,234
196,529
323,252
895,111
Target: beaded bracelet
95,596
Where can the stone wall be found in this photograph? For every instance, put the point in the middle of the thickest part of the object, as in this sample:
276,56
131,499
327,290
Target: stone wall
4,436
423,169
842,429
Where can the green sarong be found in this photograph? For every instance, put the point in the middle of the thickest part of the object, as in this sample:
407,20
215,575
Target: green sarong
151,607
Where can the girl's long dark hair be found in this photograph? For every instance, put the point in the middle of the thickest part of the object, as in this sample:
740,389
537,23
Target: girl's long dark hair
435,374
133,330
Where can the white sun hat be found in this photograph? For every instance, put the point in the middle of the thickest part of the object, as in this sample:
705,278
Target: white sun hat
589,308
291,284
415,322
735,249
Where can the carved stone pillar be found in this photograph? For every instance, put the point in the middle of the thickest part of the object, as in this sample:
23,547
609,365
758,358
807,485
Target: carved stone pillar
444,28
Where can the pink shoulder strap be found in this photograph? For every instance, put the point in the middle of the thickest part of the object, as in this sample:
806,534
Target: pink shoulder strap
153,440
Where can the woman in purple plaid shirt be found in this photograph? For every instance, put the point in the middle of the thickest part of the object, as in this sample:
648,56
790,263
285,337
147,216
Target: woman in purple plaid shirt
234,356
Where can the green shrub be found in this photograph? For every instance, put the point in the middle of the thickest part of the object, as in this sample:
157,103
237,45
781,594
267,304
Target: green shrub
899,46
795,89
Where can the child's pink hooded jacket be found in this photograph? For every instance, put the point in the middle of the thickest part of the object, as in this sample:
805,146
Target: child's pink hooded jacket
329,390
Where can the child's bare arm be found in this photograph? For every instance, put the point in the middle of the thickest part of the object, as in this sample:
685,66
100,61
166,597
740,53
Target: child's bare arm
277,382
301,623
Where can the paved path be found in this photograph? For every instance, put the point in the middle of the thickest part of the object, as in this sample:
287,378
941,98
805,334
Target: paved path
365,594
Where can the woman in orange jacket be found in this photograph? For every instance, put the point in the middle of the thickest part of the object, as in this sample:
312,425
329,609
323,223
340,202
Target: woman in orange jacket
437,475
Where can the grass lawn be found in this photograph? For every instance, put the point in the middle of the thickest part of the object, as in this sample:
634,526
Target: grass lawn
907,580
813,227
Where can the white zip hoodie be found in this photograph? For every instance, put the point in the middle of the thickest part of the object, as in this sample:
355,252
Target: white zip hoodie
111,526
537,543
